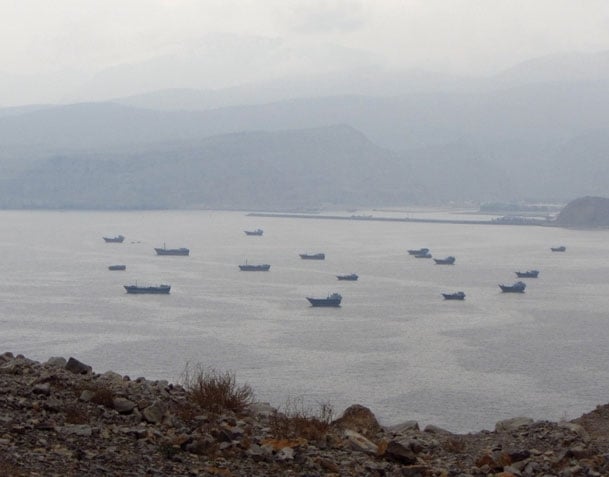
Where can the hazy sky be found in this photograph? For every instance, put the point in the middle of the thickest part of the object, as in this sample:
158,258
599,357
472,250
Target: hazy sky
81,37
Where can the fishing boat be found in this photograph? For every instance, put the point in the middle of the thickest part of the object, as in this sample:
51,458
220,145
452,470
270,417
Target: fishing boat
117,239
418,251
562,248
517,287
172,251
445,261
454,296
313,256
254,232
153,290
350,277
528,274
265,267
117,267
331,300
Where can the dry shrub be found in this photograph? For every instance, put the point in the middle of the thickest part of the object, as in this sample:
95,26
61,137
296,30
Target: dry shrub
215,391
298,420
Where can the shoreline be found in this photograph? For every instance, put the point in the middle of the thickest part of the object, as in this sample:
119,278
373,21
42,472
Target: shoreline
399,219
59,418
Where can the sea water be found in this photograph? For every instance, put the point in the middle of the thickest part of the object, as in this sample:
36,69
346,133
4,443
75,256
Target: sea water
394,345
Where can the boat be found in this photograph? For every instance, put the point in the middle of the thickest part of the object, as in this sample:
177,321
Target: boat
454,296
172,251
254,232
445,261
155,290
117,239
517,287
528,274
117,267
313,256
420,251
562,248
422,255
254,268
350,277
331,300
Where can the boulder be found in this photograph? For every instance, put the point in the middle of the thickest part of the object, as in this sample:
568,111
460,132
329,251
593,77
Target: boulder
77,367
508,425
123,405
359,419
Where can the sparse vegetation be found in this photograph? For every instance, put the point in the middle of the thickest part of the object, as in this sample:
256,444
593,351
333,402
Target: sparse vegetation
297,420
215,391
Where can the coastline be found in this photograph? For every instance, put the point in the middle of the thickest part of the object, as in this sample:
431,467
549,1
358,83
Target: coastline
61,418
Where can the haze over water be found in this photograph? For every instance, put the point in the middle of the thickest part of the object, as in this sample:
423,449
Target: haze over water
394,346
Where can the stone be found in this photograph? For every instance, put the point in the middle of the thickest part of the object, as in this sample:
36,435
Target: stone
360,443
77,367
56,361
512,424
44,389
123,405
431,429
155,412
403,427
359,419
401,452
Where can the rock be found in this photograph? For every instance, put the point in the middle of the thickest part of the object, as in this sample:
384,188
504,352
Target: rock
401,452
155,412
123,405
76,367
44,389
261,409
287,453
512,424
403,427
359,443
56,361
431,429
359,419
86,395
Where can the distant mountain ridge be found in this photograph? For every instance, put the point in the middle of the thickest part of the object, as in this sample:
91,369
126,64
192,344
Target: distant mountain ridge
283,170
528,133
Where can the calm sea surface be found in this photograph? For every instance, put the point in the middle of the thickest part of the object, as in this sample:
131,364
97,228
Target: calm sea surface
395,345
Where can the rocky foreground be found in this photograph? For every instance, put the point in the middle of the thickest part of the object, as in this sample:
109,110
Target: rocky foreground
59,418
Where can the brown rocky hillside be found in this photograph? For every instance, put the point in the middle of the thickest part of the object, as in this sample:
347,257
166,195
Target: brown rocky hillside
59,418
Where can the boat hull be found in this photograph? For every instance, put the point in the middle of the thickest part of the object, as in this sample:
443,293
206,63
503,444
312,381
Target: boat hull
172,251
160,290
529,274
445,261
117,267
515,288
350,278
454,296
118,239
254,232
324,302
317,256
255,268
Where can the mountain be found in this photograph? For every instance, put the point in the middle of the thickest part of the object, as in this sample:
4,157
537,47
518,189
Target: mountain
257,170
585,212
528,133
